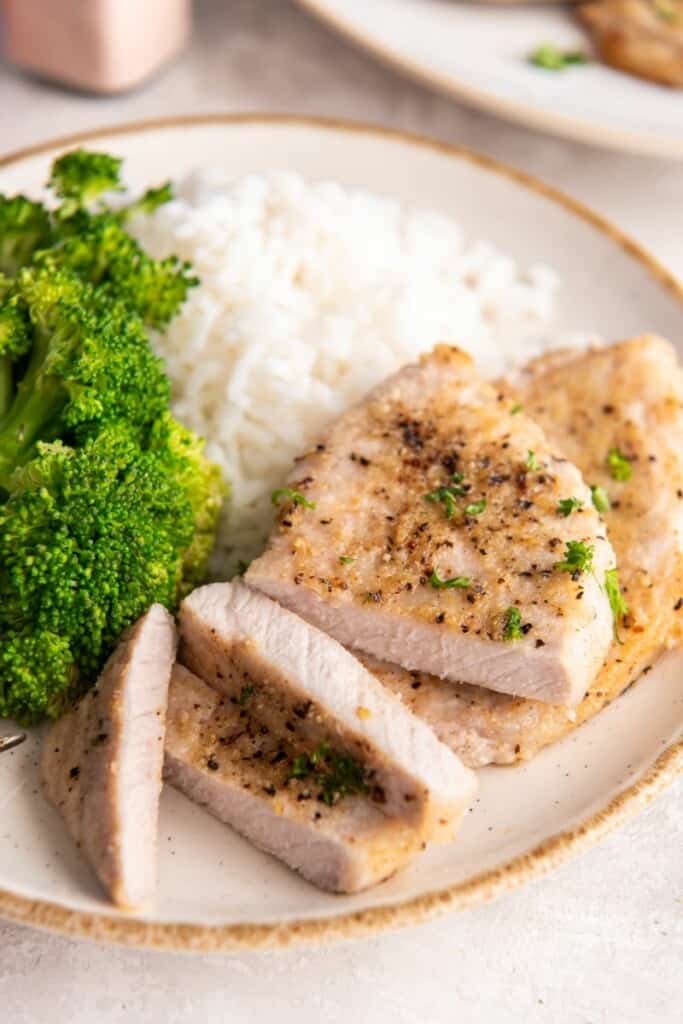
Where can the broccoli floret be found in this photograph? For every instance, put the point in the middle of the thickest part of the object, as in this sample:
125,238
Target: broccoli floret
24,228
148,202
38,677
99,249
202,481
15,340
89,538
80,177
91,363
94,243
15,328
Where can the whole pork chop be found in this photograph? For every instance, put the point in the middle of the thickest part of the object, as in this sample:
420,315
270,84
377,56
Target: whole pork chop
426,529
627,397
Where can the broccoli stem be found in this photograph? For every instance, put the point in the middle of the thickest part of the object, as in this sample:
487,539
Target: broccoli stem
39,397
6,384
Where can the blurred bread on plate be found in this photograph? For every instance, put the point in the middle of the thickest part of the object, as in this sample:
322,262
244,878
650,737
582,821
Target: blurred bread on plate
643,37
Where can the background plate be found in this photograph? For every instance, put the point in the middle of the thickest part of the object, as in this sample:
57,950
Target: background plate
215,890
479,54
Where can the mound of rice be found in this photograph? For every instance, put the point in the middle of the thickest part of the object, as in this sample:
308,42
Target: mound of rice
310,294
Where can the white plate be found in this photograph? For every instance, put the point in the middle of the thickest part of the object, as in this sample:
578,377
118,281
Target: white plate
479,54
215,890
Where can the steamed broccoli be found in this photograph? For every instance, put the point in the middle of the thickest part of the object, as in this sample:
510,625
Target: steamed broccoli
182,451
148,202
24,228
80,177
90,362
94,243
15,341
85,236
98,249
89,538
107,504
37,675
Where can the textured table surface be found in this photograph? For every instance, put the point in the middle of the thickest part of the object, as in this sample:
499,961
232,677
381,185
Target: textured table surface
600,940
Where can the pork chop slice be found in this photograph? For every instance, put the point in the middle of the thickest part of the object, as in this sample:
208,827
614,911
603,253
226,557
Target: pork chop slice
627,397
101,762
302,686
218,754
425,529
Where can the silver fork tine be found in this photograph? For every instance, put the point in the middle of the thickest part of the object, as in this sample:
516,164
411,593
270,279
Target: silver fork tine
13,740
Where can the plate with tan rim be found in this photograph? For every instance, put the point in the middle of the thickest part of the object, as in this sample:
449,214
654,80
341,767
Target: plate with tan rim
216,891
478,52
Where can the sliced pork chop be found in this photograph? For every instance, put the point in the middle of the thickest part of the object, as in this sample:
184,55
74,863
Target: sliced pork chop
425,530
218,754
301,685
627,397
101,763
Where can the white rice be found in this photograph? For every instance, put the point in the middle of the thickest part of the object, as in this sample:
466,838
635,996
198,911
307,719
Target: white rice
310,294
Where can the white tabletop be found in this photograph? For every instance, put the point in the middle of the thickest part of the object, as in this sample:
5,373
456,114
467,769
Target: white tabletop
601,939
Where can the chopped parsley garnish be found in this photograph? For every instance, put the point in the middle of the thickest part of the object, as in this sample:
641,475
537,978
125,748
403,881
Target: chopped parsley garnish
567,505
447,495
512,628
338,775
516,408
617,601
302,766
294,496
552,58
455,583
346,559
578,558
531,460
475,508
619,465
600,498
246,693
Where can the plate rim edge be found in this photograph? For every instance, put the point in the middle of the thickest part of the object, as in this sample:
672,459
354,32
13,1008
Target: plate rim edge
561,125
482,888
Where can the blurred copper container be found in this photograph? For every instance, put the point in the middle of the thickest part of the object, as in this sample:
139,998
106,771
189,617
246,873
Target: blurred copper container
103,46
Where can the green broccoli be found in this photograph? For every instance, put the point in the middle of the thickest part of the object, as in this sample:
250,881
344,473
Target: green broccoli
80,177
95,244
98,249
107,504
90,362
24,228
183,453
148,202
38,677
85,236
89,538
15,341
